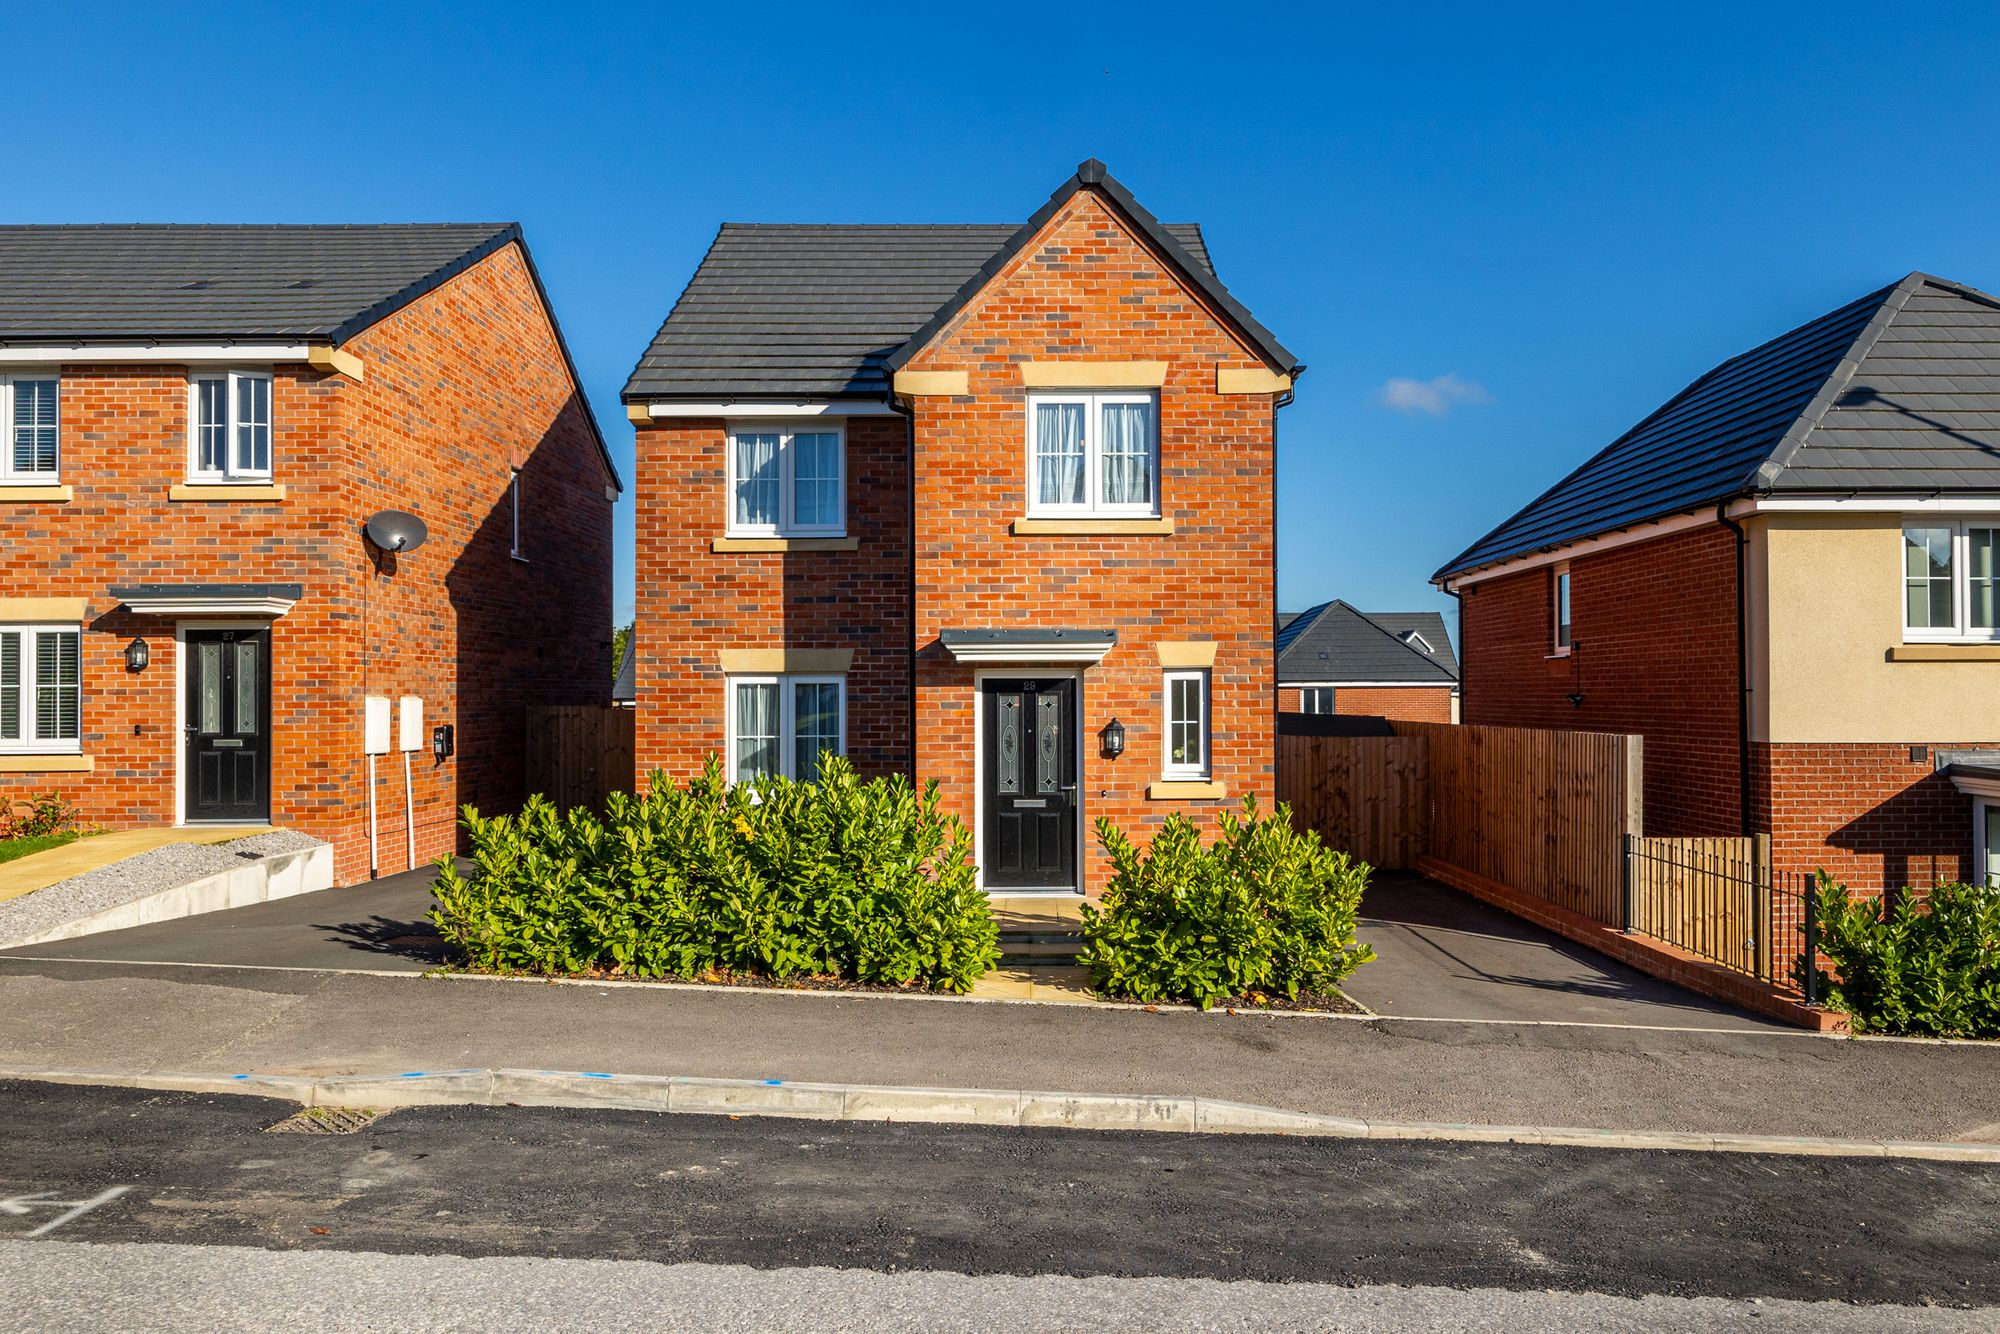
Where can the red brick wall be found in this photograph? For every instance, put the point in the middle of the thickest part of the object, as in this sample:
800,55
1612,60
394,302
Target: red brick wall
1656,653
1866,813
457,385
1086,288
693,602
1418,704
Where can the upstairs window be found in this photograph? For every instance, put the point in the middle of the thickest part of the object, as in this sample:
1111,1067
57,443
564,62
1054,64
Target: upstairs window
1094,454
231,413
787,481
28,409
514,515
1559,608
41,689
1951,580
1316,699
1187,725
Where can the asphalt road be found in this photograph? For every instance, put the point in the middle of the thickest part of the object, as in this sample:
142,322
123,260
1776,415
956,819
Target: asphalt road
794,1195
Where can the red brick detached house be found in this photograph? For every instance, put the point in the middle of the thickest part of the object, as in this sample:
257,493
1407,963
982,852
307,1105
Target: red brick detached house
1397,665
956,499
200,420
1788,579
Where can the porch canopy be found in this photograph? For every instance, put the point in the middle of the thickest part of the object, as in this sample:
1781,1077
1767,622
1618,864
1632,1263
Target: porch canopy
209,599
1028,645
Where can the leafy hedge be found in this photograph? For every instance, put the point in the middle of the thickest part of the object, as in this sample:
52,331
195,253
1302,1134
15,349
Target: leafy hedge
1266,908
864,881
1929,967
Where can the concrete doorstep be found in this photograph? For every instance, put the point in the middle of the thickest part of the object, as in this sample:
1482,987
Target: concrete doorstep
989,1107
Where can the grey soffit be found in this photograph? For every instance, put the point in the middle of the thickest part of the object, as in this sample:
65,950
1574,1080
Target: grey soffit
216,592
1896,393
810,311
174,282
1333,642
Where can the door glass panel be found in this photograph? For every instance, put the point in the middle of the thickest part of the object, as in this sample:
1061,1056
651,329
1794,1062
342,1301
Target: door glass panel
1010,743
208,686
1048,742
246,686
1992,844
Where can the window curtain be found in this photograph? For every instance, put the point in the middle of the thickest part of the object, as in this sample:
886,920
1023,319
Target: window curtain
816,480
1059,453
756,730
816,726
1128,453
757,480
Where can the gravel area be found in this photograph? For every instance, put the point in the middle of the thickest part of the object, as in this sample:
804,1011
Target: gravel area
134,878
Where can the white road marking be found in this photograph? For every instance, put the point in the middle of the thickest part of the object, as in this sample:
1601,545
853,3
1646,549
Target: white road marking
19,1206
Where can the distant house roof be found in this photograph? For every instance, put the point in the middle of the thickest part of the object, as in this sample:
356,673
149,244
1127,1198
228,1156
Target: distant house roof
183,282
1898,393
789,311
624,686
1334,643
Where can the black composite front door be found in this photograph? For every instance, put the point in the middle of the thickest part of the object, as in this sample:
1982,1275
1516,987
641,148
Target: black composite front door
228,724
1028,783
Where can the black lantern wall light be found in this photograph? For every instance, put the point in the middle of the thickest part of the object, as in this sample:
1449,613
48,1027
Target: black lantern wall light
137,655
1111,739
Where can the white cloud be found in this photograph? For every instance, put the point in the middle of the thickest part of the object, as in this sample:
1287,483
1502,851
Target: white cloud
1432,397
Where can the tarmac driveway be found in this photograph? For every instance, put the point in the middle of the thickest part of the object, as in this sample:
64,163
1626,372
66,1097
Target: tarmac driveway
1441,954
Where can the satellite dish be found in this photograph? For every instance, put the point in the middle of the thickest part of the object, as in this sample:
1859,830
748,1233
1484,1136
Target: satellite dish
393,530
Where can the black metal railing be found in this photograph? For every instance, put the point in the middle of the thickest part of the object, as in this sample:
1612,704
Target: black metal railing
1717,899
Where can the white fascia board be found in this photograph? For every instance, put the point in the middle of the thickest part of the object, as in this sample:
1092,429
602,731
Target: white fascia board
1371,685
1930,503
1028,655
821,408
177,354
186,606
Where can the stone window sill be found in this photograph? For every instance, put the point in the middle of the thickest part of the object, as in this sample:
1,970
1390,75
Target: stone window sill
1945,653
46,764
756,544
1084,526
1185,790
47,495
237,491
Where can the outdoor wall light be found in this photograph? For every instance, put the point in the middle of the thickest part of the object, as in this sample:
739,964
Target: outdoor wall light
1112,739
137,655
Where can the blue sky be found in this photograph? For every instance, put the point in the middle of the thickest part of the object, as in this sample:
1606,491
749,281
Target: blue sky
1497,239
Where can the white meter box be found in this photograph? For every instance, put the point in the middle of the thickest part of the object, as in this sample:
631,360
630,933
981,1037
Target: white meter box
410,723
375,725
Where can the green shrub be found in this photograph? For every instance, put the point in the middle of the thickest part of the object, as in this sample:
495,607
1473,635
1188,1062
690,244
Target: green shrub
1930,968
48,813
1264,909
865,881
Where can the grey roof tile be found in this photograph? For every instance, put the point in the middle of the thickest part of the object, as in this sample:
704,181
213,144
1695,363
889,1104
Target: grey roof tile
1333,642
180,282
1897,392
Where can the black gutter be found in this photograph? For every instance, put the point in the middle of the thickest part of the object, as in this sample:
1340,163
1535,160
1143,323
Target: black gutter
1742,670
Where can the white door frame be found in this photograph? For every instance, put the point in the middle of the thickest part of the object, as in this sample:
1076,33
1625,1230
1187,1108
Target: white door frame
1024,671
1980,870
180,710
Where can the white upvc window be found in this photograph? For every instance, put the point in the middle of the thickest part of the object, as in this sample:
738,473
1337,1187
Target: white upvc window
1951,579
41,689
514,515
1986,841
28,410
787,480
1187,725
1316,699
1096,454
229,436
1559,608
780,725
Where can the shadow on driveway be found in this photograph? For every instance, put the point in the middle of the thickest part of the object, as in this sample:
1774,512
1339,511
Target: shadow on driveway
1441,954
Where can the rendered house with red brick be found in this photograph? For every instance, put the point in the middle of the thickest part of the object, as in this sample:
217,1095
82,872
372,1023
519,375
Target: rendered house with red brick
1786,578
199,423
952,501
1336,660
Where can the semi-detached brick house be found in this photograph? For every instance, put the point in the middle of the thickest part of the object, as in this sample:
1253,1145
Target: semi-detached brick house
955,499
199,421
1786,579
1333,659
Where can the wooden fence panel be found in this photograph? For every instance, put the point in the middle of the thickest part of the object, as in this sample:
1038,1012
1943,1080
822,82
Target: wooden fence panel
1368,796
1543,812
1710,896
578,754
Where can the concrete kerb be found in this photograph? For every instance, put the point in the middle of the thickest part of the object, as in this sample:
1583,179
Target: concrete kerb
696,1095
